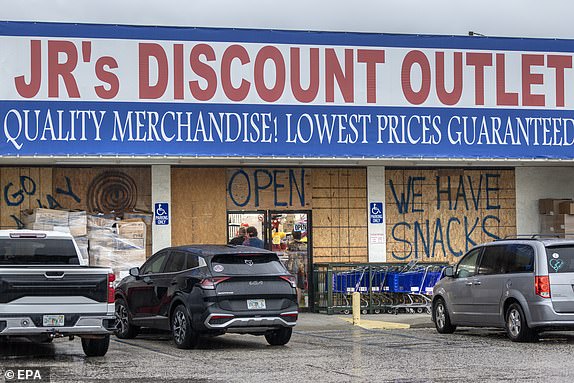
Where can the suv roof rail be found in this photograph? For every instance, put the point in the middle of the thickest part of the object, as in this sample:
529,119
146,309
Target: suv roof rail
536,237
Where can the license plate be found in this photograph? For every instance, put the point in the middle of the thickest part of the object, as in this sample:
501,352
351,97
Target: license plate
256,304
53,321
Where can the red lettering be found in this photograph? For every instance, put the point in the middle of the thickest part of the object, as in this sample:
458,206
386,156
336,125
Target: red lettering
231,53
108,77
419,58
204,71
333,71
529,79
309,94
63,70
269,53
479,61
29,90
146,52
371,57
449,98
502,96
178,71
559,63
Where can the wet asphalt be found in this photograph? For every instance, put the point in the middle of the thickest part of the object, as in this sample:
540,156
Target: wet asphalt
323,349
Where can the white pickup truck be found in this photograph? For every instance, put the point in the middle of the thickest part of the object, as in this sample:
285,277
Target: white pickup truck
47,291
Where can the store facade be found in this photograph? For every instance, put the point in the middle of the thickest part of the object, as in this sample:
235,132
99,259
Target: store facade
336,147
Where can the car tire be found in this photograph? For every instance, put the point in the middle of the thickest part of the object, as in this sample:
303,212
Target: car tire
516,326
96,347
124,329
279,337
184,336
441,318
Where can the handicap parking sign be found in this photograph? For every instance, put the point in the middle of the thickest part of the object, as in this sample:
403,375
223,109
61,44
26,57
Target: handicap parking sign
161,213
376,212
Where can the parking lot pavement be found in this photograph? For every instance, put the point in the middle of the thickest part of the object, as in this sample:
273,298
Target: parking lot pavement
313,321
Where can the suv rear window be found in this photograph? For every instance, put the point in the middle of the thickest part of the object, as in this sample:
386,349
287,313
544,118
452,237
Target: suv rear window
38,252
247,264
560,259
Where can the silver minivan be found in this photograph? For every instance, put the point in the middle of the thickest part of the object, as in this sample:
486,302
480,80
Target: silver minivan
523,285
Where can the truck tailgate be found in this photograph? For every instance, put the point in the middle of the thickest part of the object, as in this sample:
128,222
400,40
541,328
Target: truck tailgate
21,288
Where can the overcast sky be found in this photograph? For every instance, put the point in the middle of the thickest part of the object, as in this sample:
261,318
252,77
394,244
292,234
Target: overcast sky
517,18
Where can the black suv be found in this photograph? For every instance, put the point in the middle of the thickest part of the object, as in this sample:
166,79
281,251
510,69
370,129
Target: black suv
209,290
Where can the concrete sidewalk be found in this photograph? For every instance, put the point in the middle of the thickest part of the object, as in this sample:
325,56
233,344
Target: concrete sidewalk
314,322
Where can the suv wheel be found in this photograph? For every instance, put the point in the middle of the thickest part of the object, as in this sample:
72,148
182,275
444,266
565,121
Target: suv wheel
124,329
183,334
279,337
516,327
441,318
96,347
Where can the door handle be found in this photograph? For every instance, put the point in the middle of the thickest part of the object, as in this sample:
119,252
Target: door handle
468,283
174,281
148,280
477,283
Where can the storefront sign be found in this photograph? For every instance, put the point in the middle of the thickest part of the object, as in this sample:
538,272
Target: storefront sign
77,90
268,188
161,213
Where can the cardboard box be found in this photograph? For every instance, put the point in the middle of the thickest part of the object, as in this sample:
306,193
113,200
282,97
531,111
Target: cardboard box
132,229
566,207
78,223
550,205
49,217
556,224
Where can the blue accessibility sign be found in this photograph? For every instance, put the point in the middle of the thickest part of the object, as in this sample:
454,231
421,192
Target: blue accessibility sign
376,212
161,213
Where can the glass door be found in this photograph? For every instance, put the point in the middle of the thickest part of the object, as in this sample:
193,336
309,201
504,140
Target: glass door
290,239
288,233
236,220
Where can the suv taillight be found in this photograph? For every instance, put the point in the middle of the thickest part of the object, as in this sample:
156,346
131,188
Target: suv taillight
542,286
210,283
290,279
111,289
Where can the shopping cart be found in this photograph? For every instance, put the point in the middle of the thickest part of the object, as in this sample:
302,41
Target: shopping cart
345,284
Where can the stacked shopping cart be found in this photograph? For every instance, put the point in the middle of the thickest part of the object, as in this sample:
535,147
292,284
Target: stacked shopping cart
390,288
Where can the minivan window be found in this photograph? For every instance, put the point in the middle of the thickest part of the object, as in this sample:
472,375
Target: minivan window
504,259
521,258
247,264
494,260
467,266
560,259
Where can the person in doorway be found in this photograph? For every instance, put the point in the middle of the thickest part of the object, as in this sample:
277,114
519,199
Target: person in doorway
240,237
252,239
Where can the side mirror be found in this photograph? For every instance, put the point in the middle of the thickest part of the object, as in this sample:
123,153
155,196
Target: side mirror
135,272
449,271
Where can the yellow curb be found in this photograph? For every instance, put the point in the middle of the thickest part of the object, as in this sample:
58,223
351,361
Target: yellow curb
378,325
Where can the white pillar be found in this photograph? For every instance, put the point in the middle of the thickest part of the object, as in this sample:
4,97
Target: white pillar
377,231
161,194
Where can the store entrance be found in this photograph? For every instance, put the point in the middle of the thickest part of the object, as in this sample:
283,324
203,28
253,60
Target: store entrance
288,233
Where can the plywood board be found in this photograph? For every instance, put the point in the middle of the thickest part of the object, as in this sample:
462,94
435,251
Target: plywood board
198,206
339,215
439,214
